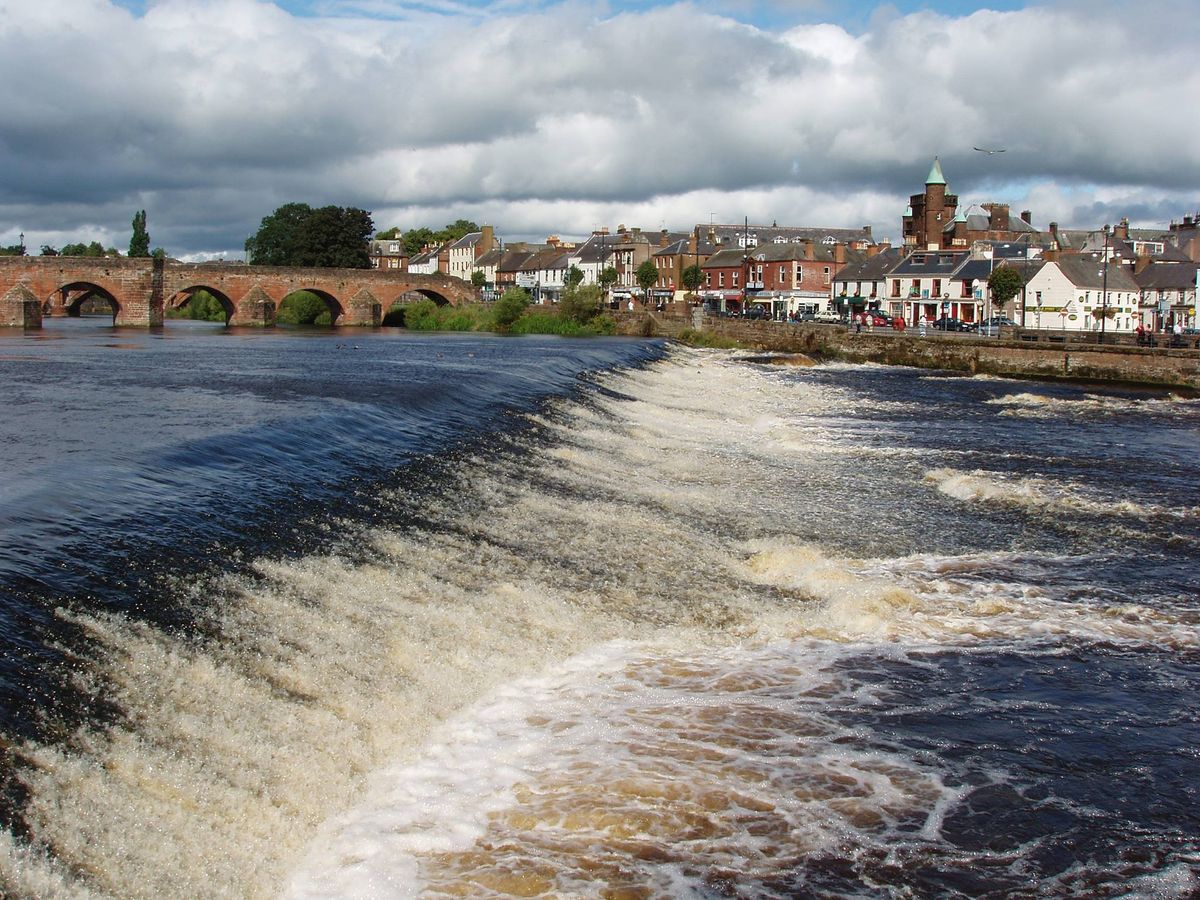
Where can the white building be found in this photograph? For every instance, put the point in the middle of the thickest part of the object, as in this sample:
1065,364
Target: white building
1078,293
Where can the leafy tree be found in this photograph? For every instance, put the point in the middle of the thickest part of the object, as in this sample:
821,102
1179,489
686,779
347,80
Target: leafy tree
574,277
510,307
459,228
646,275
13,250
416,238
580,304
303,308
139,243
390,235
693,277
608,277
298,235
1005,283
94,249
478,279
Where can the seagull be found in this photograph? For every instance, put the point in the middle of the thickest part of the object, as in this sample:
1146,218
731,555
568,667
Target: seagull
985,150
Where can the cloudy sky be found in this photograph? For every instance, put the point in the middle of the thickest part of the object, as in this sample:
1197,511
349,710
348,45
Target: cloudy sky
547,117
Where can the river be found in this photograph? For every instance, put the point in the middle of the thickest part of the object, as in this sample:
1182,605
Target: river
367,614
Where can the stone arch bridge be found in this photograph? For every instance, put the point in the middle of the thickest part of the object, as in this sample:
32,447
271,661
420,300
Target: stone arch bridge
141,290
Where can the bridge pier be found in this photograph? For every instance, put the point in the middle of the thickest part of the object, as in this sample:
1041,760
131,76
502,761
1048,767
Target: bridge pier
363,309
256,309
20,308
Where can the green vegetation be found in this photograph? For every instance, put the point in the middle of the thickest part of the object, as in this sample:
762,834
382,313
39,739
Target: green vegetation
646,275
608,277
695,338
203,306
1005,283
693,277
139,243
298,235
94,249
303,308
416,238
511,314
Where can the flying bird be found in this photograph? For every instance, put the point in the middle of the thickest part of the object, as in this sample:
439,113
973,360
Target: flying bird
985,150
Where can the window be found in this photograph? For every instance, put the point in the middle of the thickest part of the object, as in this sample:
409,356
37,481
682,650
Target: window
734,280
783,274
937,287
720,279
708,279
1037,298
895,287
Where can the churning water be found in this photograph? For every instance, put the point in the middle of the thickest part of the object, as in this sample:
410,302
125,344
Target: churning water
367,615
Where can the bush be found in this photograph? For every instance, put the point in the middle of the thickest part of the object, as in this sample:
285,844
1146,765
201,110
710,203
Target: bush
509,308
303,308
425,315
580,304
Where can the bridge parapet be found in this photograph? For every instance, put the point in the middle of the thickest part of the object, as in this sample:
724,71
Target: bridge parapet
140,289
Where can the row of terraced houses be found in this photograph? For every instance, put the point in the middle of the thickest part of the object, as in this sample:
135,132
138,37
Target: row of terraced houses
1116,278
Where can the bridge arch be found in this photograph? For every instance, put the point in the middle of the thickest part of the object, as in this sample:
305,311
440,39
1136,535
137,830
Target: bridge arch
183,296
334,306
69,298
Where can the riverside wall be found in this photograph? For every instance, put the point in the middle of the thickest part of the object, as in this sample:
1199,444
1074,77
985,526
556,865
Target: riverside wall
958,353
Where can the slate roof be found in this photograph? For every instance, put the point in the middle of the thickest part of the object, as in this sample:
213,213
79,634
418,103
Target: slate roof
467,240
930,263
871,268
1087,271
766,234
1167,276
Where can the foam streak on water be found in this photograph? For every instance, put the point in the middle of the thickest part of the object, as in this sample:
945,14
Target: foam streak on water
642,649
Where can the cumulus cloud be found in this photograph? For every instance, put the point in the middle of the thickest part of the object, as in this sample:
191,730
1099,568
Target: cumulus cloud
545,118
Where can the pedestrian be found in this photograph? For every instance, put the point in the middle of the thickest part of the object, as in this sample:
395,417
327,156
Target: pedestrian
1141,333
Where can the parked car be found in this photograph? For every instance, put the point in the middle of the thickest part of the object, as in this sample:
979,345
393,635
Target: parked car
829,317
991,327
949,323
755,312
873,317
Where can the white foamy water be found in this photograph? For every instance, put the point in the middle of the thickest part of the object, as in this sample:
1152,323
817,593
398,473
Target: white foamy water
604,659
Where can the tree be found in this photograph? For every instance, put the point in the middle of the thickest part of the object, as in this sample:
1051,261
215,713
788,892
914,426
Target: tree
460,228
415,239
574,277
478,279
139,243
298,235
693,277
608,277
94,249
1004,283
580,304
646,275
390,235
510,307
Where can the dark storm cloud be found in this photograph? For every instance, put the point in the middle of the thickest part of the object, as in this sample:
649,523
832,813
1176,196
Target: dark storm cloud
210,115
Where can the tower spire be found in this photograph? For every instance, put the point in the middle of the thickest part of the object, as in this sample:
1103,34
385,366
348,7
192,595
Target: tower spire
935,173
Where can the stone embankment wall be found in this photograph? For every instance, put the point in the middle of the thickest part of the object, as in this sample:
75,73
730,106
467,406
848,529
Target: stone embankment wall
992,356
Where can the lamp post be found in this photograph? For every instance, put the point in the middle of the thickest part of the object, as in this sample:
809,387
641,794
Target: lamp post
1104,288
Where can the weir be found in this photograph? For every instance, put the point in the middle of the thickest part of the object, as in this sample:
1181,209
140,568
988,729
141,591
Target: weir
140,291
1161,366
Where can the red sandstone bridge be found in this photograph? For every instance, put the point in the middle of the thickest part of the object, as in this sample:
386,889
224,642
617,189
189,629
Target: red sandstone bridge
141,290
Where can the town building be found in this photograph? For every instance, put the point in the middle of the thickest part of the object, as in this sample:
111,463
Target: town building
933,220
1082,293
862,283
1167,293
467,249
388,254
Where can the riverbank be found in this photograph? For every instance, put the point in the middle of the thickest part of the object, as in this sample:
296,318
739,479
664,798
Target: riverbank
959,353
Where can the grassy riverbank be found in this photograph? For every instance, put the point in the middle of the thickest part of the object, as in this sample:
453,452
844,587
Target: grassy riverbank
577,315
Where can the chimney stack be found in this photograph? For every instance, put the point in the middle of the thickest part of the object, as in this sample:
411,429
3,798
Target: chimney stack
839,254
1027,216
1121,232
808,249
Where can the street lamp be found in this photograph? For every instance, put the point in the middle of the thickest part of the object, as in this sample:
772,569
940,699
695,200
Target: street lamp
1104,288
